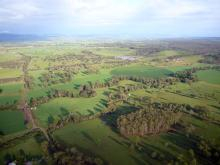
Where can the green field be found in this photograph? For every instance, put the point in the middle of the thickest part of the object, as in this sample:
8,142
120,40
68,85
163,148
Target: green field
11,122
94,137
24,145
144,71
9,73
97,138
11,92
61,107
6,56
113,51
73,86
210,76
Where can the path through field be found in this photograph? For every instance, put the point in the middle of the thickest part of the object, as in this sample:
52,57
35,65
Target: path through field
23,104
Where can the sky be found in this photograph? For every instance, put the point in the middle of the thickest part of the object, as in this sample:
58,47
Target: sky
137,18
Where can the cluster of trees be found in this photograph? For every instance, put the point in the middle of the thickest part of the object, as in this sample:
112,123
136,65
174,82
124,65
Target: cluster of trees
13,79
147,121
8,106
28,81
23,158
152,83
50,95
74,68
72,155
208,149
186,76
91,70
70,118
211,59
87,91
50,78
199,111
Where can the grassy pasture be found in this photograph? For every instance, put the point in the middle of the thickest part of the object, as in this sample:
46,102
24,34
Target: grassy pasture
11,122
102,76
60,107
73,86
9,99
38,63
95,137
169,53
50,50
113,51
6,56
166,96
29,146
210,76
177,68
199,93
144,71
11,88
37,92
203,128
10,73
10,92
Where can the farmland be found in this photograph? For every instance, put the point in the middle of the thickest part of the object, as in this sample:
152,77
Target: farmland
133,103
11,121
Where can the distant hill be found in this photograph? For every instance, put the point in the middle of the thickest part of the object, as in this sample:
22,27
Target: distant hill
10,37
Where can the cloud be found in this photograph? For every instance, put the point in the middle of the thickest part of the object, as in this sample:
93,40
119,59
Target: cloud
12,11
99,12
102,15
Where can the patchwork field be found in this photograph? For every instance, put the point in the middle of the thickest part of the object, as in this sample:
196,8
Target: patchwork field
92,102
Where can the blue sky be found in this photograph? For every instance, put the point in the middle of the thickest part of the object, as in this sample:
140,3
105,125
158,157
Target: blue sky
141,18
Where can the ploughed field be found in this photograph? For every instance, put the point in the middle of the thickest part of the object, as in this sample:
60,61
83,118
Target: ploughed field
133,103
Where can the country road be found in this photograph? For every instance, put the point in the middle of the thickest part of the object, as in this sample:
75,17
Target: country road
23,104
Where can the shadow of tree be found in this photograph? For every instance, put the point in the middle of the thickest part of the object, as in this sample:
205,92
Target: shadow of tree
90,112
103,102
180,140
64,111
87,136
115,140
139,162
111,118
76,86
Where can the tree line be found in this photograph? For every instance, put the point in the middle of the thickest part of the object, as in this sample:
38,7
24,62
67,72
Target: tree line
147,121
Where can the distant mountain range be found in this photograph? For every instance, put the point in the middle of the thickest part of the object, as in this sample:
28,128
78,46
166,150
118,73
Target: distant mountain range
10,37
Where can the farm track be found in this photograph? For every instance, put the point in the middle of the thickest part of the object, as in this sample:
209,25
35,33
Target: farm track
23,105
